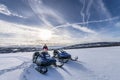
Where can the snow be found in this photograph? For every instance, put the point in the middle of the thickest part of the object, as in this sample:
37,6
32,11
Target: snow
93,64
9,62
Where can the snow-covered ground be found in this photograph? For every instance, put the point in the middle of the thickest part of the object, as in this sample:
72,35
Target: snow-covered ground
93,64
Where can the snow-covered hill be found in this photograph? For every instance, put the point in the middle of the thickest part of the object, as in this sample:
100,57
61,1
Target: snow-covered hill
93,64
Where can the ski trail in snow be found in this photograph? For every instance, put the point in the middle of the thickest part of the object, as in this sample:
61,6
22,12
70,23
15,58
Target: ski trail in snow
66,71
25,59
26,72
69,69
31,74
21,66
95,75
81,69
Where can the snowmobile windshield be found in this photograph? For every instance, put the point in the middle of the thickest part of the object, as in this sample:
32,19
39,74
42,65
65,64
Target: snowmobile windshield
47,56
63,51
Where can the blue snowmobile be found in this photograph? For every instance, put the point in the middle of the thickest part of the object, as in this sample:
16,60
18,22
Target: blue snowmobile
63,56
43,60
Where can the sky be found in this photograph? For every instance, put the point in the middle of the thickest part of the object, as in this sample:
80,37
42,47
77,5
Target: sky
58,22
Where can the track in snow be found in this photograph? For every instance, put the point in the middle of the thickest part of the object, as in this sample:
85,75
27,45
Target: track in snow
21,66
59,73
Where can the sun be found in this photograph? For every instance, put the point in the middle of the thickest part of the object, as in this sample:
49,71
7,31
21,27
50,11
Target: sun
45,34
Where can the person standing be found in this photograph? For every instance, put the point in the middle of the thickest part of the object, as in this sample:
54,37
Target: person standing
45,47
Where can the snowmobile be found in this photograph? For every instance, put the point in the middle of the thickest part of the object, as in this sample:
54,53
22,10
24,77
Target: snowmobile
63,56
43,60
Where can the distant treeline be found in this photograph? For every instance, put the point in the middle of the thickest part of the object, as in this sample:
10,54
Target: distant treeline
18,49
92,45
76,46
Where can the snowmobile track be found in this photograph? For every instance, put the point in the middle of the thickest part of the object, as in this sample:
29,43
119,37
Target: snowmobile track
21,66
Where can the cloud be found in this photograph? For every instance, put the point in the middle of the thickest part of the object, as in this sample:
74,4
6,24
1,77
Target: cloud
100,21
88,22
117,24
16,34
4,10
20,34
91,7
84,29
78,27
45,13
104,9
